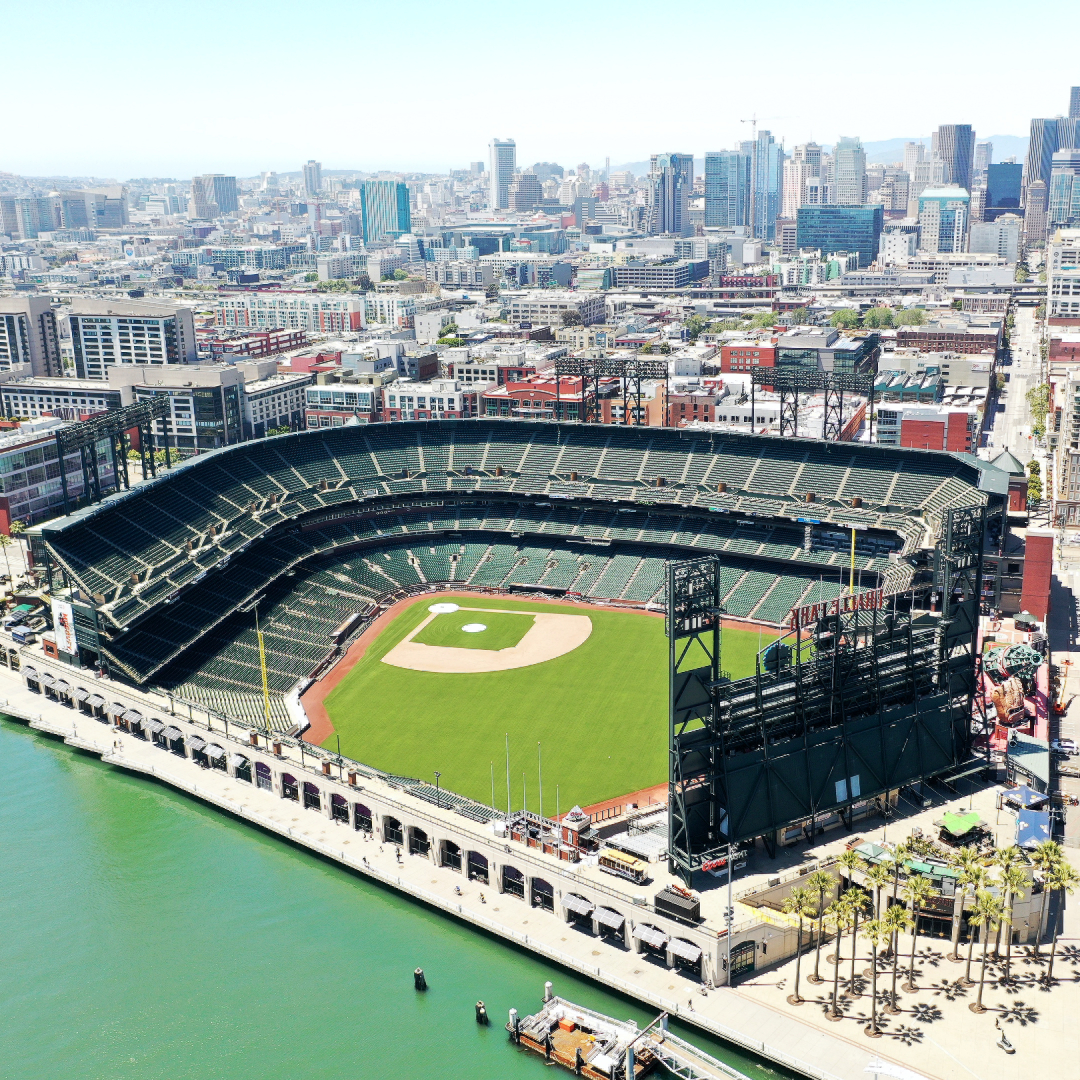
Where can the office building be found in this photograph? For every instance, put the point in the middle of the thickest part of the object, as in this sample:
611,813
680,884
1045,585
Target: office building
1046,139
112,333
954,146
251,256
437,399
727,188
1063,274
525,191
803,165
213,195
1063,207
766,161
849,165
70,399
100,208
1036,205
546,306
895,190
984,155
1004,183
502,154
384,210
460,274
671,179
28,335
998,237
1074,103
24,218
271,399
943,219
841,228
312,178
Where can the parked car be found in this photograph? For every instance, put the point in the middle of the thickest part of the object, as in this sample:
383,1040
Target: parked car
1065,746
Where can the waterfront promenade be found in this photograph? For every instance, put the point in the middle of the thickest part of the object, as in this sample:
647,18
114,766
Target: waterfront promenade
728,1014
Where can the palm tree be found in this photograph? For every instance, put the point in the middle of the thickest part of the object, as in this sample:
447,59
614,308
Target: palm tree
988,913
875,932
821,882
964,862
917,890
1013,880
799,902
5,543
839,914
1003,859
17,530
858,900
853,863
878,876
1064,879
980,880
897,920
1044,857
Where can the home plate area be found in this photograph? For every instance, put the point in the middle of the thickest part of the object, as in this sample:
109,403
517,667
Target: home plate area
439,643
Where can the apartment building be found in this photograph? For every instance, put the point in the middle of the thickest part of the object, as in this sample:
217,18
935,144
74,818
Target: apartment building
317,313
107,333
1063,274
28,335
547,306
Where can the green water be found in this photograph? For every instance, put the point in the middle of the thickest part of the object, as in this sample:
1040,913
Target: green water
145,936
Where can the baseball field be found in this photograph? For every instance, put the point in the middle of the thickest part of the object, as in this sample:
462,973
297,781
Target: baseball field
441,690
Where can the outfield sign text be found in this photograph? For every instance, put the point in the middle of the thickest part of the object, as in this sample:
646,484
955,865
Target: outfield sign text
871,600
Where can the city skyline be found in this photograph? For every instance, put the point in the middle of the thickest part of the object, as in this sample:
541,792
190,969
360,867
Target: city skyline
204,135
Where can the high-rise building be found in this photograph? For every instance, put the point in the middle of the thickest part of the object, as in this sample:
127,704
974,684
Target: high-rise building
727,188
766,177
28,335
671,179
26,217
213,195
384,208
312,178
1063,208
895,189
525,191
943,219
1063,274
998,237
1074,103
105,333
914,152
841,228
954,146
1047,137
850,168
1003,184
98,208
503,156
804,164
1036,201
984,155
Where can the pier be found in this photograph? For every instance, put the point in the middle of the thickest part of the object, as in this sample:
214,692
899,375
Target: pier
434,854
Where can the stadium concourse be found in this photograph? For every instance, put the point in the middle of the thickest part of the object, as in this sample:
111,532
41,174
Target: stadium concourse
321,529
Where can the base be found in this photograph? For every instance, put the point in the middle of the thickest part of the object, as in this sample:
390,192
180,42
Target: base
794,999
870,1033
975,1007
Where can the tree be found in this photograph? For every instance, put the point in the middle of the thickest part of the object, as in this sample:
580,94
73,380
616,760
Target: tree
311,277
820,882
917,890
1045,856
762,319
5,543
1063,879
844,319
988,913
910,317
400,275
964,862
1013,880
1034,486
665,348
879,877
874,931
570,317
980,881
17,530
897,920
878,318
363,283
798,903
859,902
334,285
1022,272
451,342
694,326
1038,402
839,914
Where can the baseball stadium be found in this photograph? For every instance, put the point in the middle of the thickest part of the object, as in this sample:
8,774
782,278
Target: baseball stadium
460,598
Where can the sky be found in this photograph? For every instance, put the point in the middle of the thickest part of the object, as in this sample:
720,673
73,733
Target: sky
115,88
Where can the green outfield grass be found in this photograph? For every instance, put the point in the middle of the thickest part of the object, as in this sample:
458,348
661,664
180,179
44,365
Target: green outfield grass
599,712
503,631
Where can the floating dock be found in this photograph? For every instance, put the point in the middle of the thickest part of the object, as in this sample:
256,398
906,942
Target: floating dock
598,1047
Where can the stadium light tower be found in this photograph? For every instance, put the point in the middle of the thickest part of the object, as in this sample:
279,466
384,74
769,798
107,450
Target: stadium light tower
438,796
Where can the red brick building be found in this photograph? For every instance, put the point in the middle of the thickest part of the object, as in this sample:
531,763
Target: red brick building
742,356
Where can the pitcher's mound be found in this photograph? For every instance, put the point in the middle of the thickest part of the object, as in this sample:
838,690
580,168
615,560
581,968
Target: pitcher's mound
549,636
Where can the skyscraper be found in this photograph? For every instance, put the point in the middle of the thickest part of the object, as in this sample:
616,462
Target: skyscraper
1048,136
1035,207
312,178
727,188
984,155
804,164
1064,203
850,166
384,209
766,176
525,191
841,228
213,195
954,145
943,219
503,157
671,179
1074,103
